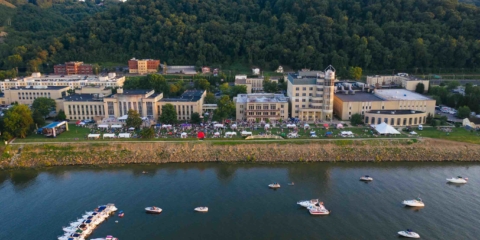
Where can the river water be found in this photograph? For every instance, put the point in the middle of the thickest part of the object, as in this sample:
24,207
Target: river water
36,204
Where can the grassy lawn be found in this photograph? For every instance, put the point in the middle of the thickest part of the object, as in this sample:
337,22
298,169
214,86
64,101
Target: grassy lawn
457,134
74,132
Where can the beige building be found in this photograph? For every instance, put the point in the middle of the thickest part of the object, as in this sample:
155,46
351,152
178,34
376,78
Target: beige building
72,81
261,106
403,106
97,103
252,84
26,95
401,79
311,94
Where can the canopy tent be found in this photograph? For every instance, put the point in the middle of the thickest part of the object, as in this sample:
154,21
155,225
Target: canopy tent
291,126
306,126
201,135
230,134
267,126
78,122
413,133
218,125
131,129
144,118
103,126
339,126
216,134
346,133
313,133
94,136
117,126
234,126
384,128
81,123
124,135
108,135
325,125
124,117
166,126
245,133
183,135
329,133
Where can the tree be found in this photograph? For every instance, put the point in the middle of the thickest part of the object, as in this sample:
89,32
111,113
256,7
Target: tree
38,118
420,88
18,121
210,98
429,118
169,115
452,85
239,89
61,115
195,118
43,105
355,72
14,61
133,119
225,108
224,88
202,84
147,133
463,112
356,119
269,86
156,82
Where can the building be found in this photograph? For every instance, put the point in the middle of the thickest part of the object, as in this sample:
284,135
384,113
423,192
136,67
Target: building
86,103
73,68
205,70
279,69
189,102
261,106
400,80
26,95
311,94
187,70
252,84
72,81
255,71
143,66
397,107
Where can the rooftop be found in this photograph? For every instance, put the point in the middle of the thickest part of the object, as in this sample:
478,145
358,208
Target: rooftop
38,88
399,94
84,98
358,97
261,97
135,92
395,112
36,77
187,96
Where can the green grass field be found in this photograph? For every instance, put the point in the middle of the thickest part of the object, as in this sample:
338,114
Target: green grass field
457,134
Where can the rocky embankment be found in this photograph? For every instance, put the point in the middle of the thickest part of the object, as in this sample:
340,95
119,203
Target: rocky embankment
40,155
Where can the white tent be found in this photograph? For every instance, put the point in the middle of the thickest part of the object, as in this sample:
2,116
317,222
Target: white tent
234,126
346,133
124,117
124,135
81,123
267,126
306,126
384,128
413,133
108,135
218,125
116,126
103,126
95,136
217,134
183,135
291,126
229,134
131,129
245,133
166,126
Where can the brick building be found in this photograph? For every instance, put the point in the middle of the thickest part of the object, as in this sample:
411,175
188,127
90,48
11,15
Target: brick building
143,66
73,68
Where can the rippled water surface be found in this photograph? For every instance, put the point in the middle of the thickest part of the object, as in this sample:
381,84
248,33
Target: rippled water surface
36,204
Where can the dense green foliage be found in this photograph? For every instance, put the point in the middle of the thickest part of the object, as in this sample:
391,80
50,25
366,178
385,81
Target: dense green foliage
356,119
195,118
18,121
147,132
156,82
420,88
226,109
169,115
61,116
43,105
443,96
133,119
463,112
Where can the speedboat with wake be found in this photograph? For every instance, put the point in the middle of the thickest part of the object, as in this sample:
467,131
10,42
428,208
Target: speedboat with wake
153,209
308,203
274,185
458,179
318,210
408,234
109,237
366,178
201,209
414,203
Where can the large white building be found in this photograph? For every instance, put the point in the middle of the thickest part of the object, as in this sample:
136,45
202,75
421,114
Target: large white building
311,94
261,106
401,79
72,81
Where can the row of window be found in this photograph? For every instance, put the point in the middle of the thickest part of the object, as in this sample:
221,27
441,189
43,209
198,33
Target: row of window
262,113
397,121
85,110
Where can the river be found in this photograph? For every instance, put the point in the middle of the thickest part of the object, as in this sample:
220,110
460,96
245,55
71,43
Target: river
35,204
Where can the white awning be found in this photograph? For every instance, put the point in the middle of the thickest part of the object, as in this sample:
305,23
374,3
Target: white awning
93,135
124,135
103,126
116,126
124,117
108,135
384,128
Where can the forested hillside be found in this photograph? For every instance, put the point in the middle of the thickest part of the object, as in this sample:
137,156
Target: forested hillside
372,34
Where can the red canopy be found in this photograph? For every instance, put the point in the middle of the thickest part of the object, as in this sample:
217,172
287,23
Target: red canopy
201,135
78,122
325,125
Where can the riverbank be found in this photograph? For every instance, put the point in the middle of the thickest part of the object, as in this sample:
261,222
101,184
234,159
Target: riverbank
85,153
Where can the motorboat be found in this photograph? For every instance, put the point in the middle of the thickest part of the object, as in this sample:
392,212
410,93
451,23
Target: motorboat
121,214
318,210
291,184
409,234
201,209
458,179
414,203
274,185
153,209
308,203
110,237
366,178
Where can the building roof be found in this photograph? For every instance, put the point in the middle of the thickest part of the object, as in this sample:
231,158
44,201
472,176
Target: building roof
395,112
38,88
83,98
358,97
261,98
135,92
187,96
399,94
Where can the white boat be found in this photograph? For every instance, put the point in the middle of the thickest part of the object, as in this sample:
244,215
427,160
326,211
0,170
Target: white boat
414,203
308,203
366,178
458,179
201,209
318,210
274,185
409,234
153,209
